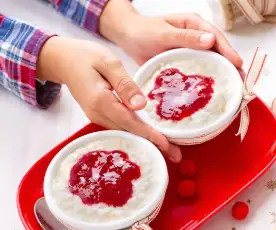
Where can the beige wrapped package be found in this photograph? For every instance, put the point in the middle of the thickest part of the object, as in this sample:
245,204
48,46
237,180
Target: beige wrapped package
228,12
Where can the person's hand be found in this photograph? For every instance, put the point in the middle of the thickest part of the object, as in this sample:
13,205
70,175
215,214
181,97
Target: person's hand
144,37
91,72
151,36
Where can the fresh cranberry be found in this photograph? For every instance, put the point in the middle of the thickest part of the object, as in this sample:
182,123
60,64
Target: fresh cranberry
188,168
187,188
240,210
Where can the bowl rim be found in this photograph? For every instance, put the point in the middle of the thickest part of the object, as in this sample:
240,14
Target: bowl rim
118,224
167,56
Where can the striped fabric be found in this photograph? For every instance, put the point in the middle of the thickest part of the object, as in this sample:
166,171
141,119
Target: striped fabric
21,43
255,11
250,11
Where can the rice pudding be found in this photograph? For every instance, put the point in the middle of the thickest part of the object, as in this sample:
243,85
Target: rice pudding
187,93
109,179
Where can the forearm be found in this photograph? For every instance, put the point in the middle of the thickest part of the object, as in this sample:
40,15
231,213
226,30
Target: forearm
116,19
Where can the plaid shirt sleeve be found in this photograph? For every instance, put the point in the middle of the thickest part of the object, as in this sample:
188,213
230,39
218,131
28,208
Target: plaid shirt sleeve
20,44
85,13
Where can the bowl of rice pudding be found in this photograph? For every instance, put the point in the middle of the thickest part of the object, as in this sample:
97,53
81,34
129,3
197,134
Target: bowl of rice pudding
192,96
105,181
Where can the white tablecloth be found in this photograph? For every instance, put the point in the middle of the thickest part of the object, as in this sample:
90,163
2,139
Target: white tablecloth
26,133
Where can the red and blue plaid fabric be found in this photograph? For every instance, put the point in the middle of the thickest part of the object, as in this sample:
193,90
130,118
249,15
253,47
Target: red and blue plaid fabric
85,13
21,43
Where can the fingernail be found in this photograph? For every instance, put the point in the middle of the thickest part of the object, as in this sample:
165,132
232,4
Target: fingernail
137,100
206,38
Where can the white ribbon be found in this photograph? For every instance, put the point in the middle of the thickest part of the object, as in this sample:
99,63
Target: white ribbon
250,80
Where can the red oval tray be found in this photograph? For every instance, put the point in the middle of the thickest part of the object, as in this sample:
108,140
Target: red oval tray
226,167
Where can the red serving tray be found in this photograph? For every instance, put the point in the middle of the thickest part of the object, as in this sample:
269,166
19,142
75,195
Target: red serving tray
226,167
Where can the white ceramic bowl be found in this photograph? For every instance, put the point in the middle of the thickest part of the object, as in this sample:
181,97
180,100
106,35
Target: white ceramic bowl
198,135
143,216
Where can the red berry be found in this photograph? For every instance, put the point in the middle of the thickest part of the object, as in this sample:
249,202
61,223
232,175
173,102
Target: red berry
240,210
188,168
187,188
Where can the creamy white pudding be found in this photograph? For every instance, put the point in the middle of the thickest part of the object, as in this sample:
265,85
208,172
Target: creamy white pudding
109,179
187,93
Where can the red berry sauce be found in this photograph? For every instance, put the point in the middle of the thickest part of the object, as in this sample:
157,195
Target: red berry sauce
180,95
104,177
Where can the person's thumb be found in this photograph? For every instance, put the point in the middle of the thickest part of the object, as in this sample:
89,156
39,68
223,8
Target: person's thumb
189,38
129,93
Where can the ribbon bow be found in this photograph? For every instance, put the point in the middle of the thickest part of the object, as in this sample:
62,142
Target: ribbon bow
250,80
